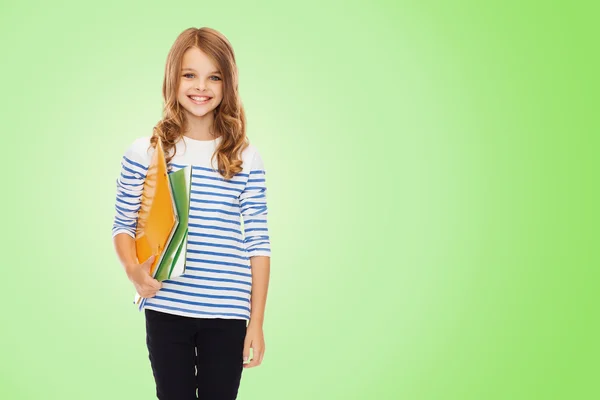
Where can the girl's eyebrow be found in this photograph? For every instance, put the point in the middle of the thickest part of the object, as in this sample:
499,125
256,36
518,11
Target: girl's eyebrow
191,69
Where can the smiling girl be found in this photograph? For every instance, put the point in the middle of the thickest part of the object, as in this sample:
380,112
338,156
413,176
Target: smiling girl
201,326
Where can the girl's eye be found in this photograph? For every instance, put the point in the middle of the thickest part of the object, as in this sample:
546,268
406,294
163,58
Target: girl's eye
212,76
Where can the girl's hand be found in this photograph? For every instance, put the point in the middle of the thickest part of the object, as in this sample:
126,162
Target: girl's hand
255,340
139,275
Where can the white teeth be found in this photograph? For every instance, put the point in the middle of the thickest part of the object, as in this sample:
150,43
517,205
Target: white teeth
199,98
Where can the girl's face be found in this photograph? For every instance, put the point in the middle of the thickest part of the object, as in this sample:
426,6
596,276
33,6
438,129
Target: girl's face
200,78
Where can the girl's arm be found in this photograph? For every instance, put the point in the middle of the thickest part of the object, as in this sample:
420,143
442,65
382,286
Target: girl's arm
130,185
137,273
125,249
261,268
253,205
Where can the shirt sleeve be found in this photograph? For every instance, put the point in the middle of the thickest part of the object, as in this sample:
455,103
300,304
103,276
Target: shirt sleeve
253,205
130,185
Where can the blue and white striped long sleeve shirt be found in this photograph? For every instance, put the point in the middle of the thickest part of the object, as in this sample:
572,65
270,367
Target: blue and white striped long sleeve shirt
227,226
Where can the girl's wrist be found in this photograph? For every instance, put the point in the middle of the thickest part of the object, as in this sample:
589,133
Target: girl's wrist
129,268
255,321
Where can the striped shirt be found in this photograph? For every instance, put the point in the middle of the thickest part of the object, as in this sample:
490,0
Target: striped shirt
227,226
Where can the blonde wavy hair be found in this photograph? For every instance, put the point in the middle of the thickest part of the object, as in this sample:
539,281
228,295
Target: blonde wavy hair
229,116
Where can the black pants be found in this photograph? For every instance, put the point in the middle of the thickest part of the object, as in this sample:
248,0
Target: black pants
195,353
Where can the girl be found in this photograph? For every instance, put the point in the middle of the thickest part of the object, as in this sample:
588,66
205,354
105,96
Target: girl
201,326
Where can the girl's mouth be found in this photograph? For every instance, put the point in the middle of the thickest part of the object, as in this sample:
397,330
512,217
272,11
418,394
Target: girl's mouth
200,99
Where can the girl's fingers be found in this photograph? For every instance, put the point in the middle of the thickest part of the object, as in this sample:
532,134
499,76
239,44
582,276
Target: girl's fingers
156,285
246,352
152,283
256,359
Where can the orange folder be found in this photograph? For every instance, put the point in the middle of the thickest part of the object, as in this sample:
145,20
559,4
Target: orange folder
157,217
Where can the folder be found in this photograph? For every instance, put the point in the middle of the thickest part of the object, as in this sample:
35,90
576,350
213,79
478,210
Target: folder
173,260
157,218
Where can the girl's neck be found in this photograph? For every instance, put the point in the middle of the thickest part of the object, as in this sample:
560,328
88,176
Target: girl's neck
200,128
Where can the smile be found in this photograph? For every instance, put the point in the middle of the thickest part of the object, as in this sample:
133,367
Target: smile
199,99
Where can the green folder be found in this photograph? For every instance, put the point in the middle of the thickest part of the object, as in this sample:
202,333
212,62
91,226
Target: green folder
172,263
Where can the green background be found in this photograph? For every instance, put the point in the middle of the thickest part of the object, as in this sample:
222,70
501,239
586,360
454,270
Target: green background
433,185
